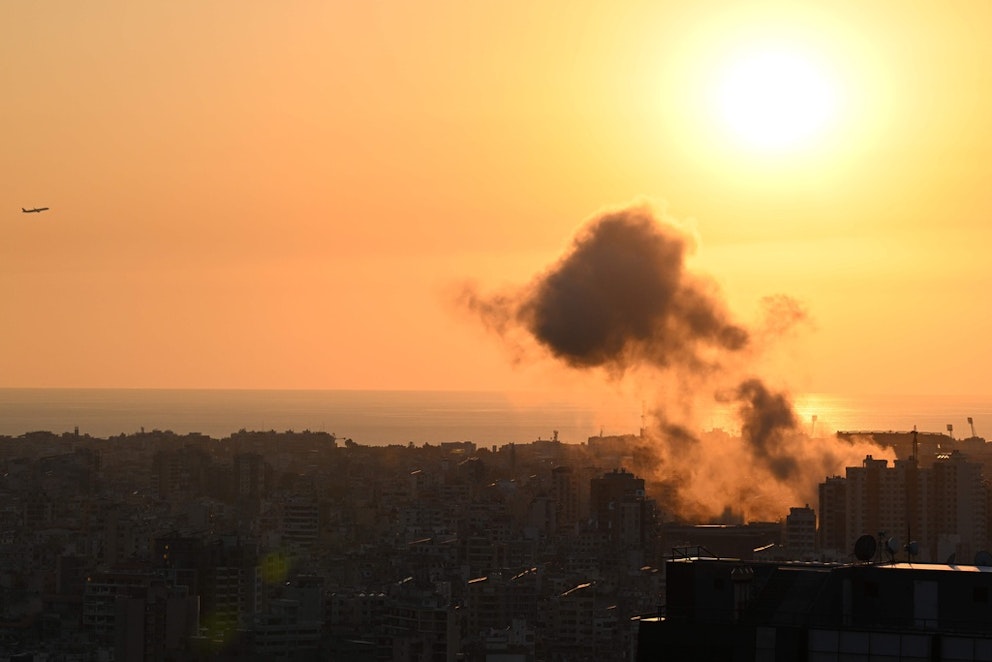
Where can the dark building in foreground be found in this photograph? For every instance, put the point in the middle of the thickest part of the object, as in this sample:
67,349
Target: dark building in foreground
723,609
739,541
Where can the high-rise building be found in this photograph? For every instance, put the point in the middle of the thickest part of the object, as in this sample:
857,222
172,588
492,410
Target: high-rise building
138,613
800,533
941,507
220,572
566,495
300,522
618,506
290,627
420,626
252,476
180,471
832,533
956,501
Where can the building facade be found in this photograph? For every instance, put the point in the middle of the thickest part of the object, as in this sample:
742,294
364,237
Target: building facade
942,508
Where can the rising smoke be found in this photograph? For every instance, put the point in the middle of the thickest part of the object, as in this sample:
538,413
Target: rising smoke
622,300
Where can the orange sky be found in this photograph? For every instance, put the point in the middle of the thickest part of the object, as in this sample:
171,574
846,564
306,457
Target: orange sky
252,194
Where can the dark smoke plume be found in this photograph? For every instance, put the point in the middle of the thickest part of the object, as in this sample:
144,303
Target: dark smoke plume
621,298
766,421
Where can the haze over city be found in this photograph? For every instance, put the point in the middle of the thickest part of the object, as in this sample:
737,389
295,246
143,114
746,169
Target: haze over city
256,195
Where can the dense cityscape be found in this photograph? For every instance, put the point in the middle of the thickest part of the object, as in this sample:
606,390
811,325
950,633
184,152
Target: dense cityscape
299,545
643,321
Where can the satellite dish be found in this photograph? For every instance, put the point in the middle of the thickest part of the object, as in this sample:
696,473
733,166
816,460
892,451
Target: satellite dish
952,559
892,546
864,548
913,549
983,558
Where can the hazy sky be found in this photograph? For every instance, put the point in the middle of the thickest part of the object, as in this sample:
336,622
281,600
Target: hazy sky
256,194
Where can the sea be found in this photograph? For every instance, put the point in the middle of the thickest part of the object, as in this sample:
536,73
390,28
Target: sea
419,417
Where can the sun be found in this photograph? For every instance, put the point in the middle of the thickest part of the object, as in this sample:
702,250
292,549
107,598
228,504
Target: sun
774,100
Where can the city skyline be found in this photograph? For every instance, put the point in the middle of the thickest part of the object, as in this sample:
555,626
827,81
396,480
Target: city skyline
245,195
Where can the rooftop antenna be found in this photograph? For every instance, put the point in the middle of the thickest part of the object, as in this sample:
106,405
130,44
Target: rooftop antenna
971,422
916,446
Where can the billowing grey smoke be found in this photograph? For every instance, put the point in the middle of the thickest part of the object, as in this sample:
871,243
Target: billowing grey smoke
767,421
620,297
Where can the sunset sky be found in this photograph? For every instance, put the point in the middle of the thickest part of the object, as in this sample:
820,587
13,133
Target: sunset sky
256,194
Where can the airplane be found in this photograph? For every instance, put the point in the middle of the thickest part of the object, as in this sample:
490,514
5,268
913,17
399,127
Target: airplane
33,211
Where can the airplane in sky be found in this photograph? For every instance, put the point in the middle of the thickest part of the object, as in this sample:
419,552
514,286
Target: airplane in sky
33,211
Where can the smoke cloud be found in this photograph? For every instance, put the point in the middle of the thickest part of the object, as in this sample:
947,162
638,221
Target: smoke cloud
621,299
766,420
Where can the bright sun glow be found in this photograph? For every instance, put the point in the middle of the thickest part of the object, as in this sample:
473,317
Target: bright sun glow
775,100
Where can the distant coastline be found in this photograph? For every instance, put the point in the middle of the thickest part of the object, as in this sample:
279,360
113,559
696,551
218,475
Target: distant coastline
389,417
368,417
